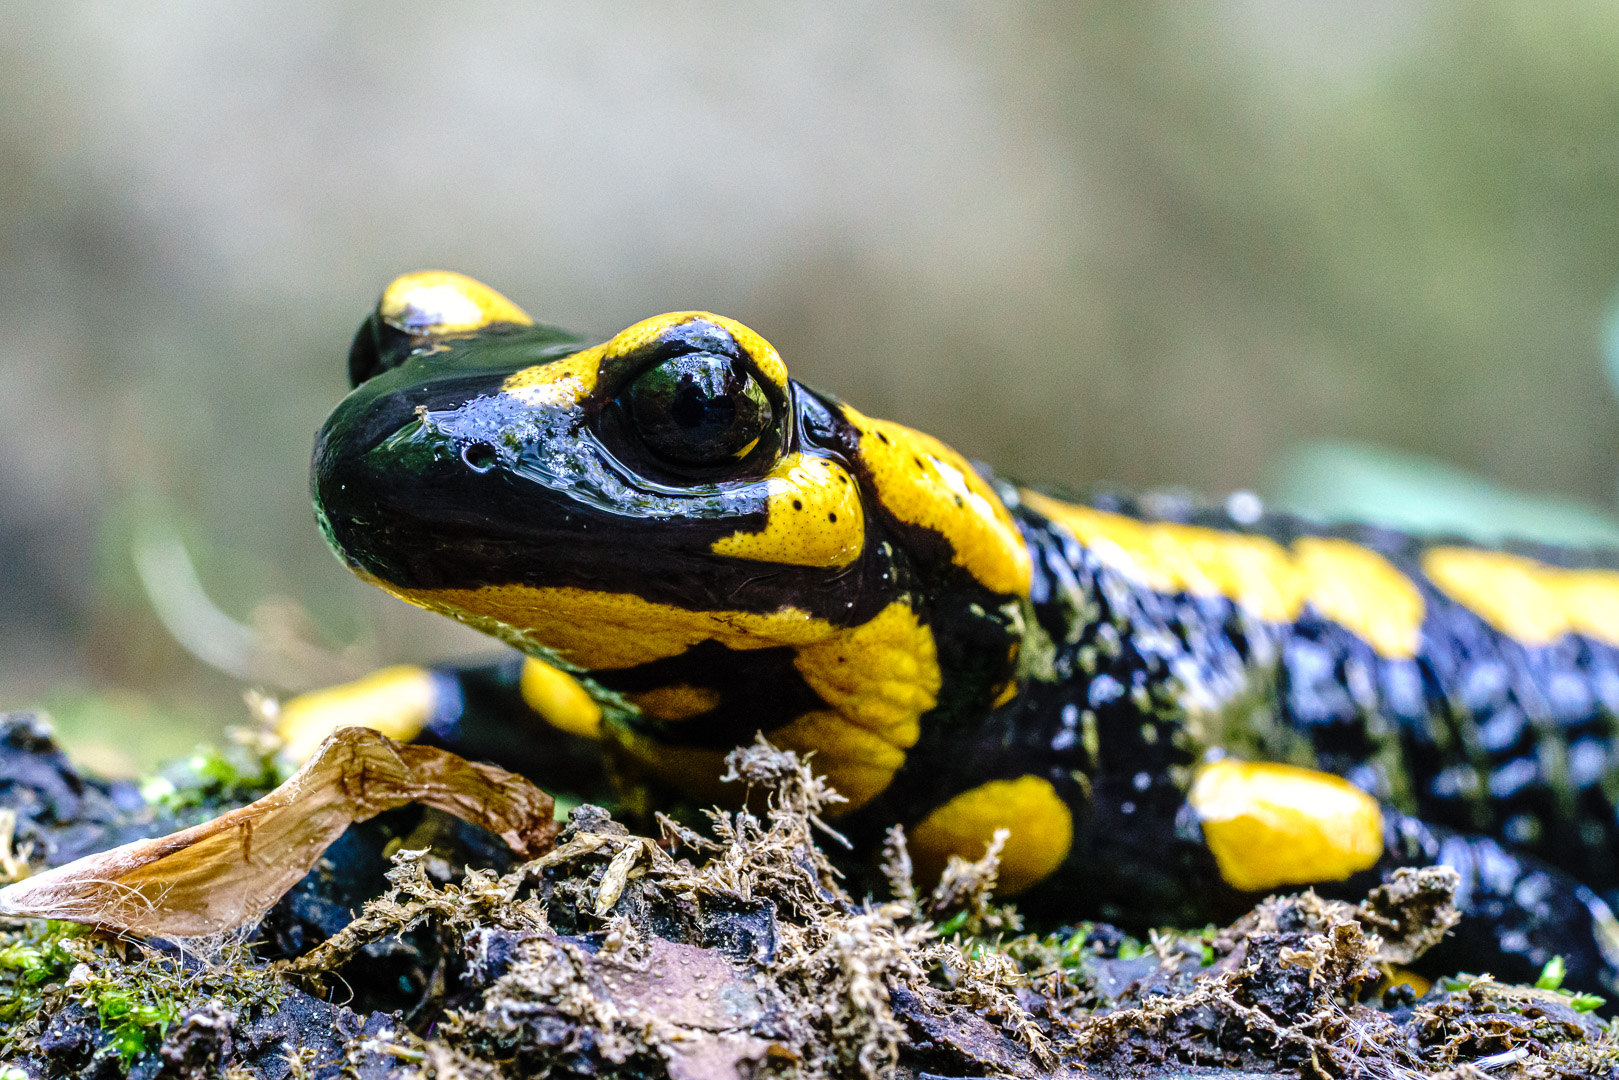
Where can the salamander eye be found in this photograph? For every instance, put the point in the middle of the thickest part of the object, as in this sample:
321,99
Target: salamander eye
698,409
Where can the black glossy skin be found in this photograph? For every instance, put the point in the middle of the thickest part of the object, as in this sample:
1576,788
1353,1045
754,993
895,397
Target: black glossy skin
1405,730
1535,841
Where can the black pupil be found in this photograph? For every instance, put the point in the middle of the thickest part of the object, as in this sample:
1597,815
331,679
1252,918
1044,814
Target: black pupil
699,409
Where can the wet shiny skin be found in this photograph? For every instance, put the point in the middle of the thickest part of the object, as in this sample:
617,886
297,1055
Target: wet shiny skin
1156,702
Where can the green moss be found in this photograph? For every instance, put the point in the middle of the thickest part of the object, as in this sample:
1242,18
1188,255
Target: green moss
32,957
135,1026
137,995
212,778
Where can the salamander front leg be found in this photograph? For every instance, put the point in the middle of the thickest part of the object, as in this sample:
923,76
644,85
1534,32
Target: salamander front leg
522,714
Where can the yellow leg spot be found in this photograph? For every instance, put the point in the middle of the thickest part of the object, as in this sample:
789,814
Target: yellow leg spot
813,517
1270,825
558,697
881,675
679,702
921,481
397,701
444,302
857,762
1040,824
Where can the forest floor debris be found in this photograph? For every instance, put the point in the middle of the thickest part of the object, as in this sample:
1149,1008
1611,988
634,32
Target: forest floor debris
731,951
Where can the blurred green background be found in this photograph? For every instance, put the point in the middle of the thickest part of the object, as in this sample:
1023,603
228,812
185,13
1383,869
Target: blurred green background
1357,256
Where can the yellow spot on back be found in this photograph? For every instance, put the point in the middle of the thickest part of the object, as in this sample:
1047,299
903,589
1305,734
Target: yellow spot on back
1040,823
397,701
559,699
1591,602
921,481
1359,589
678,702
444,302
1270,825
1526,599
813,517
1349,584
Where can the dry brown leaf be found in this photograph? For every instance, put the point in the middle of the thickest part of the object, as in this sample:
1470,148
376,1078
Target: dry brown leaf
228,872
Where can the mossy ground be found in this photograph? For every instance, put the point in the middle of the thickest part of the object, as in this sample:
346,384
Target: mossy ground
734,951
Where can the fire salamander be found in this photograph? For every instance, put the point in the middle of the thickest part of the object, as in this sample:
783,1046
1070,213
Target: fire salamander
1171,708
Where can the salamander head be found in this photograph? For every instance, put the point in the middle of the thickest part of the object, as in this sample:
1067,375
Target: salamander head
718,547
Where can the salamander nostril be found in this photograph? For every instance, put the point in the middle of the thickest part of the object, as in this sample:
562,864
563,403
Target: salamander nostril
480,457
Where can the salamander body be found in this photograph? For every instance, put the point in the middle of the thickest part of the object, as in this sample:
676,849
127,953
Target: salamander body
1170,708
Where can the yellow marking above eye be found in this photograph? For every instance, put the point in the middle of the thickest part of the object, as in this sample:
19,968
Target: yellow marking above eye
561,384
444,302
923,482
397,701
1352,585
565,382
559,699
813,517
1270,825
1040,824
1525,599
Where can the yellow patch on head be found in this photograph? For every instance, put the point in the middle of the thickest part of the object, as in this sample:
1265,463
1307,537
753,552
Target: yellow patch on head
1040,824
1526,599
444,302
1270,825
397,701
881,675
606,630
859,763
559,699
813,517
923,482
678,702
1352,585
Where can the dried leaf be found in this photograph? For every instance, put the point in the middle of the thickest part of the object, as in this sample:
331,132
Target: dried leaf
228,872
